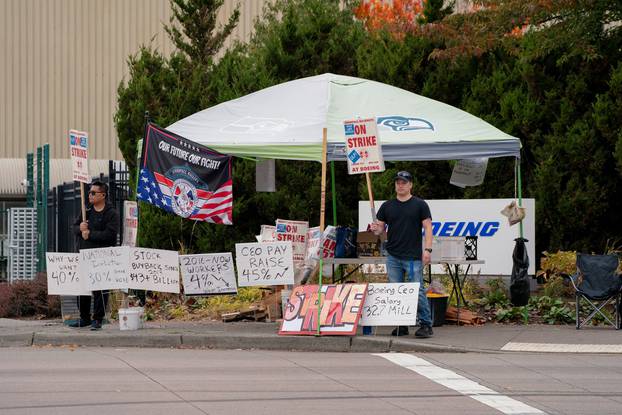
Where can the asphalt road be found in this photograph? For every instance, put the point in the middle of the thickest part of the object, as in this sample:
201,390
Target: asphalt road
65,380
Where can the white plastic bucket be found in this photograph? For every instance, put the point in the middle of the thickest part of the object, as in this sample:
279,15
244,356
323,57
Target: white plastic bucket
131,318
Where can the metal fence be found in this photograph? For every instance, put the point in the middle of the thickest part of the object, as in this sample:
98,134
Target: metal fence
22,244
64,206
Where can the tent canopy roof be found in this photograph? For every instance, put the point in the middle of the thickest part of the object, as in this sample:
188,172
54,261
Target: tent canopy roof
285,121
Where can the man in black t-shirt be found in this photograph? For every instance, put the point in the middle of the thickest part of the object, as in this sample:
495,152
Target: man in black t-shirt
406,216
99,231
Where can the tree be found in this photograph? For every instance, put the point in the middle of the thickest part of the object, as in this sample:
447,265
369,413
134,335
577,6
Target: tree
169,88
198,37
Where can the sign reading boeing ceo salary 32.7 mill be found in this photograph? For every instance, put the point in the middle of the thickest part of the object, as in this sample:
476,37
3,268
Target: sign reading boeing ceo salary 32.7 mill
481,218
363,151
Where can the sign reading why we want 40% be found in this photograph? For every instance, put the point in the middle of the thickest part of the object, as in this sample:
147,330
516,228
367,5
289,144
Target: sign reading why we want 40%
118,267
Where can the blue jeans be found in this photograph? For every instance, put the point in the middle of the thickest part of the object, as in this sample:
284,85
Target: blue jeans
397,269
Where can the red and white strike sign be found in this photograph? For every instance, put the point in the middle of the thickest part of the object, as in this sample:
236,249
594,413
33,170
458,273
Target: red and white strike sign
79,148
363,150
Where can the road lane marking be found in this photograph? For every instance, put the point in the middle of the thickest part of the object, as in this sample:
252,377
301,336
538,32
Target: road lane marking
459,383
562,348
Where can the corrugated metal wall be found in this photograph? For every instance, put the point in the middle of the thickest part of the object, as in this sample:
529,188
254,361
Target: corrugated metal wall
62,60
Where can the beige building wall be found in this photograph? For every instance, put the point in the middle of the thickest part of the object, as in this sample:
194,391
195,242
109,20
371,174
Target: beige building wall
62,61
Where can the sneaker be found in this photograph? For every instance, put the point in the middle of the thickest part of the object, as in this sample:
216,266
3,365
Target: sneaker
424,332
96,325
80,323
400,331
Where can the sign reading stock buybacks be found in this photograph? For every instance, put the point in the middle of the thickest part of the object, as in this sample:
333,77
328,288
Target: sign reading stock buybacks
154,270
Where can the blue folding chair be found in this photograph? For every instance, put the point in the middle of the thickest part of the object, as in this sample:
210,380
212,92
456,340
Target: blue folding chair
598,283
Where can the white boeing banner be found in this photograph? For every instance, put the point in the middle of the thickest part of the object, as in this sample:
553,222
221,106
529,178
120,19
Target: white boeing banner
481,218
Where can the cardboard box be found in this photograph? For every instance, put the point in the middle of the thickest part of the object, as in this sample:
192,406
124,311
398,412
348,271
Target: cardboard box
368,244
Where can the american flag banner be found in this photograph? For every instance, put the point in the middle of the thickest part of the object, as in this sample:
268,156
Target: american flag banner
185,178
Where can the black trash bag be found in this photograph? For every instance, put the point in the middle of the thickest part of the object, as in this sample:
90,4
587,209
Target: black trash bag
519,283
346,242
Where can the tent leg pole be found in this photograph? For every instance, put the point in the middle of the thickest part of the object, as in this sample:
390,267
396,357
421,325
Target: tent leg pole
333,188
322,216
333,191
520,192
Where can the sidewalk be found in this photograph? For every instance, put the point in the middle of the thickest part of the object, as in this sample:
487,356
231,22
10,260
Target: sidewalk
489,338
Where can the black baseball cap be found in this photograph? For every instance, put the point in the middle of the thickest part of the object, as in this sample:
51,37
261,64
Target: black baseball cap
403,175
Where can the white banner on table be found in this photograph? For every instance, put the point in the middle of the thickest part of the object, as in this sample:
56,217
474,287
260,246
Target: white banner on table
206,274
104,268
153,270
391,304
63,275
268,263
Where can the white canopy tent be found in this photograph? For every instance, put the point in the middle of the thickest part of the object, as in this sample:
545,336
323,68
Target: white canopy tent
285,121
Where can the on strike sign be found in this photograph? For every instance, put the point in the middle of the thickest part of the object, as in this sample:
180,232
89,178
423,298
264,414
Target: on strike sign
79,147
363,150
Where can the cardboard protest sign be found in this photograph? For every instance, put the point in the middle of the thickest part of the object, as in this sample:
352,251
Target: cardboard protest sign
130,223
295,232
341,309
314,238
469,172
266,263
268,233
153,270
391,304
329,242
104,268
323,243
363,150
79,150
63,275
207,274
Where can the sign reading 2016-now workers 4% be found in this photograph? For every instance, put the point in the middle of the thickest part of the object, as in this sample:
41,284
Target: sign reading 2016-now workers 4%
208,274
363,150
269,263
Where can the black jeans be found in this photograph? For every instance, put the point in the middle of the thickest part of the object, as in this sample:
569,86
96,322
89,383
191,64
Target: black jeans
99,305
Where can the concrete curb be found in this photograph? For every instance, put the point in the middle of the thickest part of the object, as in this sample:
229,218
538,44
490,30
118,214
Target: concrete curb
16,340
228,341
99,339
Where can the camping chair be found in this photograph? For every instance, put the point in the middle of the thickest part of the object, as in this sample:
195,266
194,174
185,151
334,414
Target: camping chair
597,282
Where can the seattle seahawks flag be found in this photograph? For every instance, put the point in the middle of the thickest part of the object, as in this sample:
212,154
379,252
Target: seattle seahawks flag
185,178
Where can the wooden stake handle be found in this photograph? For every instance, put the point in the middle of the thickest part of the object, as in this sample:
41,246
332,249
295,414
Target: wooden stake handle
371,197
82,202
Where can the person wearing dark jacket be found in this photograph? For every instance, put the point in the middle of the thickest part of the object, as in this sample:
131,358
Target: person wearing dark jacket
99,231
